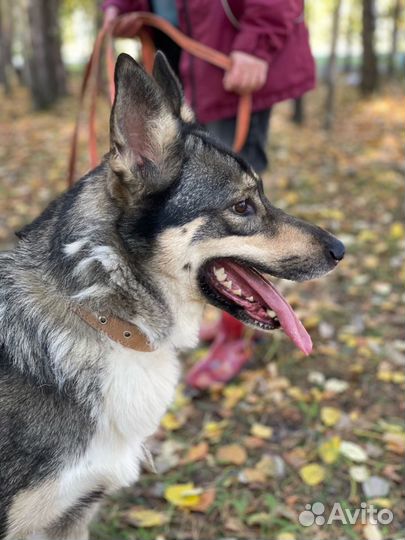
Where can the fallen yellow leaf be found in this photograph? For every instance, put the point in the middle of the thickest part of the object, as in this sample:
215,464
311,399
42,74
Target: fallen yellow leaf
312,474
170,422
296,393
285,535
381,502
231,453
330,415
384,375
329,450
397,231
261,431
143,517
233,394
398,377
183,495
213,430
367,236
391,428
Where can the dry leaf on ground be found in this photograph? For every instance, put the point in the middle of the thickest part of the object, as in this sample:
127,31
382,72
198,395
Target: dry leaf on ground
312,474
231,454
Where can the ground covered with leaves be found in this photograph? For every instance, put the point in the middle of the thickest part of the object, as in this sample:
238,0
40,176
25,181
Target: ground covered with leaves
247,459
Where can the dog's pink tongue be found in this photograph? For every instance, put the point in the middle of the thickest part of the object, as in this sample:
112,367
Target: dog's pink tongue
289,321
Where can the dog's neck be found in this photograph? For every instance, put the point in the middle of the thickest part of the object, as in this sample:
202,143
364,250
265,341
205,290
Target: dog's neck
91,267
155,303
64,349
55,267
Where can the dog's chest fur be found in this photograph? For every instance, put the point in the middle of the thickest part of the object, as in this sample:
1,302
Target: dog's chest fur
137,389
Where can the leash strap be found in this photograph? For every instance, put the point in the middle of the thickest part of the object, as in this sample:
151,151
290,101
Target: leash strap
130,26
123,332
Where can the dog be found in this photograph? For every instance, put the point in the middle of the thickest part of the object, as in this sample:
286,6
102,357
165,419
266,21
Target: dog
110,281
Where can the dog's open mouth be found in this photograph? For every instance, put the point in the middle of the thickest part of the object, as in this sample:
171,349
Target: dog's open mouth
243,292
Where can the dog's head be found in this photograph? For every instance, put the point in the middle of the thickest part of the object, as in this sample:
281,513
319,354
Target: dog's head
201,210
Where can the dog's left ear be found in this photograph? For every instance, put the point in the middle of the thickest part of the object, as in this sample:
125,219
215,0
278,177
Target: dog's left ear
146,147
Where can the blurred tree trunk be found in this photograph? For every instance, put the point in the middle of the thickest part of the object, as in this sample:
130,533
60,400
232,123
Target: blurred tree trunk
6,32
348,65
298,116
396,14
330,76
369,69
46,72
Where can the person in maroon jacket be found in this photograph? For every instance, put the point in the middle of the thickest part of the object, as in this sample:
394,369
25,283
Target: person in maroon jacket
268,43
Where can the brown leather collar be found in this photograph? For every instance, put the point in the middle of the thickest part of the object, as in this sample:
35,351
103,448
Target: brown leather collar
123,332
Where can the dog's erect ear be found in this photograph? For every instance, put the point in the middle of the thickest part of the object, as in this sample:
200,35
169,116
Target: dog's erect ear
146,149
168,82
171,87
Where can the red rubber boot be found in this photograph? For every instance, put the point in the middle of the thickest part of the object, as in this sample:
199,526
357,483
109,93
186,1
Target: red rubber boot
227,355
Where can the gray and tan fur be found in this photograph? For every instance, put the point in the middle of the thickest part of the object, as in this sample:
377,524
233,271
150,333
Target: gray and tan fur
128,240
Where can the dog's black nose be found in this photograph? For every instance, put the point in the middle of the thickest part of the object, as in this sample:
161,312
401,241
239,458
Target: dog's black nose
337,249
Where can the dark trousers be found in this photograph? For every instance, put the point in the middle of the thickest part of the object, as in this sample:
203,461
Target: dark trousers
254,150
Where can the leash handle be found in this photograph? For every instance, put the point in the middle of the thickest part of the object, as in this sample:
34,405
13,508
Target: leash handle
130,26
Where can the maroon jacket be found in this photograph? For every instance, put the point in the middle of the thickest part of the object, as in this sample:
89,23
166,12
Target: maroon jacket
273,30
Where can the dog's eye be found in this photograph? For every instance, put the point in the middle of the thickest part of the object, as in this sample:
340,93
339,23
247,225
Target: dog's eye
244,208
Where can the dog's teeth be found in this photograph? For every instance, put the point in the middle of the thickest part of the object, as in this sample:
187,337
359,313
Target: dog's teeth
250,299
228,284
220,274
238,292
271,313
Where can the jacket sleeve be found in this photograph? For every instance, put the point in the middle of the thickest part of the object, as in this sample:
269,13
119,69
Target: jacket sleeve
265,26
124,6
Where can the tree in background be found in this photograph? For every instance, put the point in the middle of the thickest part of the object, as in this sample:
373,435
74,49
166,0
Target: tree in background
298,115
6,32
369,68
330,75
44,66
349,37
396,15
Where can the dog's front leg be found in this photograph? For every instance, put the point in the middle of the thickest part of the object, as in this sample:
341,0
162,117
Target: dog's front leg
73,525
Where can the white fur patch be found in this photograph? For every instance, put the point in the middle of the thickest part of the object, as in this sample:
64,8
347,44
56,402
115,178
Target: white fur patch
102,254
186,113
137,389
90,292
74,247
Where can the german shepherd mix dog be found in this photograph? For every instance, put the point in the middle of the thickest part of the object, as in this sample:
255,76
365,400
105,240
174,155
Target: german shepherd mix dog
110,281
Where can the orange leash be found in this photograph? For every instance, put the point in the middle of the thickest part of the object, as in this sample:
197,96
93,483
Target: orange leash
130,26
